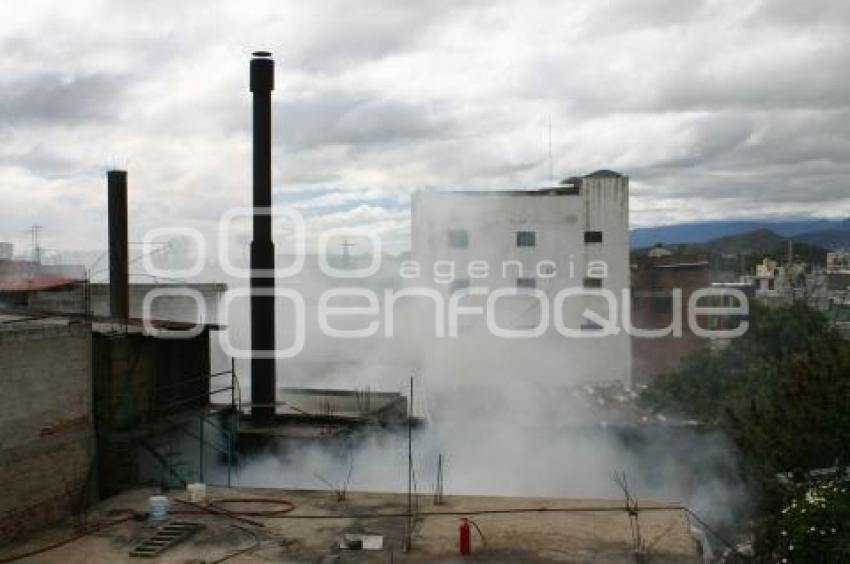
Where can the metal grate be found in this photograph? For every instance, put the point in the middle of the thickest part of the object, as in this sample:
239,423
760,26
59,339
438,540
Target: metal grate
164,538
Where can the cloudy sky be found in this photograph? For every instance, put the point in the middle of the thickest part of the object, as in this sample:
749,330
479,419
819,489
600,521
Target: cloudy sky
715,109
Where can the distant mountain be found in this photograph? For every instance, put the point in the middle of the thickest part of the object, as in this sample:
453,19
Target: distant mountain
760,241
765,243
741,252
704,231
829,239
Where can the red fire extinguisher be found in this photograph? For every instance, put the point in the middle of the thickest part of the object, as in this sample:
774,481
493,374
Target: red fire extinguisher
464,538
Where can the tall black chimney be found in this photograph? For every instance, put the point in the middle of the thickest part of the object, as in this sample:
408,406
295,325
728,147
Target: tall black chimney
119,277
263,385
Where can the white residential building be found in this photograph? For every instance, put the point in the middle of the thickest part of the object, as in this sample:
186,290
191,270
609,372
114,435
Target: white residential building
772,282
838,262
572,235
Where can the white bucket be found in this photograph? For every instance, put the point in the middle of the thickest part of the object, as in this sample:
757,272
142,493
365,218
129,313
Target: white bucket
197,492
158,507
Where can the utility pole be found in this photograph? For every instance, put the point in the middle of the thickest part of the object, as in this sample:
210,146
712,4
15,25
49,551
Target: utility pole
409,532
35,231
346,255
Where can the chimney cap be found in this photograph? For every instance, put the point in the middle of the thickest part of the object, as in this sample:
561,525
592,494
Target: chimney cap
262,72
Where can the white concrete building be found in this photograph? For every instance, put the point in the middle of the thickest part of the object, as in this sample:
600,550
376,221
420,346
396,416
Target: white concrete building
838,262
574,235
772,282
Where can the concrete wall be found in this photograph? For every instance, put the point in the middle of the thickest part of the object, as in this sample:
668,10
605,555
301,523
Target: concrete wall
138,382
46,432
653,283
172,307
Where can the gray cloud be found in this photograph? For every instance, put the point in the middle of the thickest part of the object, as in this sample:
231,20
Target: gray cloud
338,117
791,13
344,34
713,109
57,98
48,161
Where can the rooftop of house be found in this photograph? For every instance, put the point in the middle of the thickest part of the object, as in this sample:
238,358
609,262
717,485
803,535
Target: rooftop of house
11,321
17,284
512,530
559,190
566,187
25,319
604,173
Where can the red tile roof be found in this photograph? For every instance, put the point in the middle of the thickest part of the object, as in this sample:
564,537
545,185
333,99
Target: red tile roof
33,283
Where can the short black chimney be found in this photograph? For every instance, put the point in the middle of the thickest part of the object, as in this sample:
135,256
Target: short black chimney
263,385
119,276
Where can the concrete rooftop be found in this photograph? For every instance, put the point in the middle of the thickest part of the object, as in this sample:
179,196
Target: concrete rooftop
571,531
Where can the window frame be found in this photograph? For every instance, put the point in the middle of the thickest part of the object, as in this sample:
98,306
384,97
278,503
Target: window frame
458,285
593,236
463,235
521,242
522,282
592,282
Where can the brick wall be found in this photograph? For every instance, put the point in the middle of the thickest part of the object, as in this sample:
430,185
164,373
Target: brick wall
46,432
652,308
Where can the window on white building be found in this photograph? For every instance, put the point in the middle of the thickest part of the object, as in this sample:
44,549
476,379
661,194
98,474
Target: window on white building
458,238
592,236
592,282
526,283
526,238
459,284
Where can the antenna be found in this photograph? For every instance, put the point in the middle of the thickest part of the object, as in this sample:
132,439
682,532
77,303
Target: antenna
551,176
35,231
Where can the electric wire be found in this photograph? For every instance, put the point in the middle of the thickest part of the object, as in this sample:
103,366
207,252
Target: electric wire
284,511
89,531
716,535
254,545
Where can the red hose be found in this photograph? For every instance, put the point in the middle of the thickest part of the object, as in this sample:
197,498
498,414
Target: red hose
280,507
283,506
219,505
95,528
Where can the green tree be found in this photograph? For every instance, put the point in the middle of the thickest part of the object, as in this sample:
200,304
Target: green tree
798,417
782,394
707,380
813,526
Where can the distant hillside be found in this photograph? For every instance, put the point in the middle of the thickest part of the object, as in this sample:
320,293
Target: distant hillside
765,243
760,241
743,251
822,230
830,239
